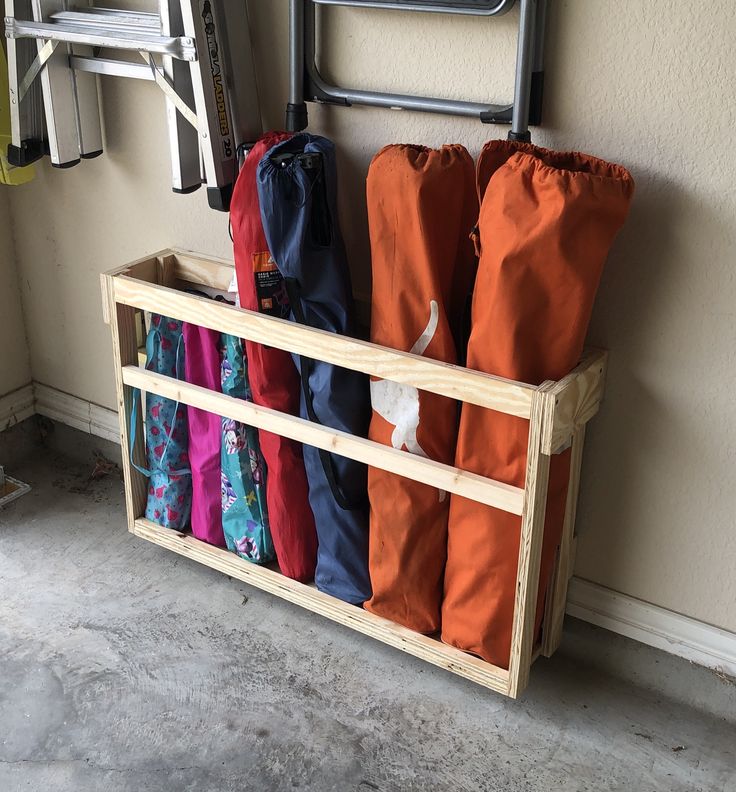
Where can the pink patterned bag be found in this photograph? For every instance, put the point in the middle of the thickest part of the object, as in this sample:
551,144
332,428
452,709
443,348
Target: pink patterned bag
202,366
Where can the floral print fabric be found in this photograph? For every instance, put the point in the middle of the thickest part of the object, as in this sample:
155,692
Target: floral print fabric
243,470
167,436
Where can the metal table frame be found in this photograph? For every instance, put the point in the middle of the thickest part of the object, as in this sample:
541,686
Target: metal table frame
307,84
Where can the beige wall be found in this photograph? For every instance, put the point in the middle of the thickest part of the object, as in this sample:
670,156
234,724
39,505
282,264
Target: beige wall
651,90
15,370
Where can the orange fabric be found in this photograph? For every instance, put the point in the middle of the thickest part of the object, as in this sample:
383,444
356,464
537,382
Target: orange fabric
547,221
421,208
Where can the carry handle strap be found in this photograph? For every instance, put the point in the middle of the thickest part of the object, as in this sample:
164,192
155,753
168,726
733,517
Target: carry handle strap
153,341
325,457
133,430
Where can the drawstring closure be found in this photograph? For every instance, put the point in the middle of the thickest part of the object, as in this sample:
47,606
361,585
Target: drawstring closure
475,237
307,161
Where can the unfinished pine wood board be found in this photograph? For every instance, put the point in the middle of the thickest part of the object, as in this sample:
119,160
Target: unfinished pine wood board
557,412
444,477
530,542
578,397
474,387
157,268
215,273
145,269
554,615
125,353
422,646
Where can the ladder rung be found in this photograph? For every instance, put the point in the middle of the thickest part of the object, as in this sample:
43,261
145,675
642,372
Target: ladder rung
111,67
180,47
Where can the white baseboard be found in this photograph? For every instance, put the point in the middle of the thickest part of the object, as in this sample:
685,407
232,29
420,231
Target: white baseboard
78,413
694,640
16,406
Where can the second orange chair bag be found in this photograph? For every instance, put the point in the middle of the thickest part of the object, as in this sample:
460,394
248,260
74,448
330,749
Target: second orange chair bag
547,221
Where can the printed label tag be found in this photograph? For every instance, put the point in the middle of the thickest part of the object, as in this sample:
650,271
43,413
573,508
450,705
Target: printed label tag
270,287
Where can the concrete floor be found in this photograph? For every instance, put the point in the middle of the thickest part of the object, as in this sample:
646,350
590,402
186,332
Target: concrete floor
124,667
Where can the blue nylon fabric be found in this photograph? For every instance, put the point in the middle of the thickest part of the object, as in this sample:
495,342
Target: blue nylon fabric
340,398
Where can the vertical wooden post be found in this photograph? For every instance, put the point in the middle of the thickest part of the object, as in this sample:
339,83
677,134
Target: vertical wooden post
125,353
530,544
554,614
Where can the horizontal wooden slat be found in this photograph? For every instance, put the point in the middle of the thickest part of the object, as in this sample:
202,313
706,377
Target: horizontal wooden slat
435,474
422,646
474,387
213,272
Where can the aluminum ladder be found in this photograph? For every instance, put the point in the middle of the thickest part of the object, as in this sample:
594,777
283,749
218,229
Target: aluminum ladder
197,51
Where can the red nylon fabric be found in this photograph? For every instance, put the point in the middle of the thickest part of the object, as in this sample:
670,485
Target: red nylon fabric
275,383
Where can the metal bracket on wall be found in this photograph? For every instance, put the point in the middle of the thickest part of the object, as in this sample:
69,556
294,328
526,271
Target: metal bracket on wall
307,84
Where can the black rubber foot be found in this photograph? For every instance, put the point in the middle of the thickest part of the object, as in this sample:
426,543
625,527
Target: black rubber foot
65,165
186,190
92,154
28,152
521,137
297,117
219,197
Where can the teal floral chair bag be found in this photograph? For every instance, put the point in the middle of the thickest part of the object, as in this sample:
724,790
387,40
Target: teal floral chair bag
169,499
243,470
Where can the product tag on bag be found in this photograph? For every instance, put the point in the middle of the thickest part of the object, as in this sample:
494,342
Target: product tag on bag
233,289
270,287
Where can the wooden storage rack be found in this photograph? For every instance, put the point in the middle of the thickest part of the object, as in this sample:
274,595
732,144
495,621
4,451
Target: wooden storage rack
557,411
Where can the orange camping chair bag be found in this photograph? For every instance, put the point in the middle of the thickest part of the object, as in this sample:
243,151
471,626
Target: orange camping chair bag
547,221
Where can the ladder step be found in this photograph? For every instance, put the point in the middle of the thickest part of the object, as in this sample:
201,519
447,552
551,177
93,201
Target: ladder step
139,23
120,13
180,47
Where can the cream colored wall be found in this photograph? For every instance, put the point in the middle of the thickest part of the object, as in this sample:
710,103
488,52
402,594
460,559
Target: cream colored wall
651,90
15,369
